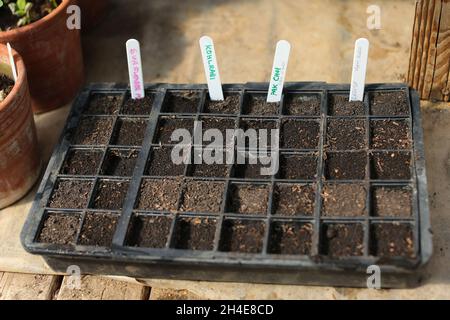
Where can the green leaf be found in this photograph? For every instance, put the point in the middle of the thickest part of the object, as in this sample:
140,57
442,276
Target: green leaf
28,7
21,4
13,8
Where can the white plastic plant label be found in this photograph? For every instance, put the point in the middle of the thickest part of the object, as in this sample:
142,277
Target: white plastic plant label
12,62
211,69
135,69
359,70
279,70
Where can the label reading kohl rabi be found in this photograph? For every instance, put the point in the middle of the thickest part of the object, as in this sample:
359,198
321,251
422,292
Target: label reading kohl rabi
211,69
279,70
135,69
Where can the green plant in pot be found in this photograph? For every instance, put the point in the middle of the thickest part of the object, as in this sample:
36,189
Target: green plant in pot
37,29
26,12
21,9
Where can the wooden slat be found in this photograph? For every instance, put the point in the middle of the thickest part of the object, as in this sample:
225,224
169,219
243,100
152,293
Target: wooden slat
440,86
432,51
98,288
414,43
171,294
421,36
14,286
426,42
447,89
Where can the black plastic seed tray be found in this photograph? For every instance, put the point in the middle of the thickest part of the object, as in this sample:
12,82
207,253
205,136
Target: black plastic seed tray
350,192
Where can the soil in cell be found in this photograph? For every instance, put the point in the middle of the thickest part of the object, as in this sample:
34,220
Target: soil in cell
258,106
298,167
389,104
302,105
93,131
244,236
203,197
342,240
182,102
343,134
98,229
344,200
391,165
392,202
150,232
130,132
294,200
229,106
167,126
392,240
300,134
120,163
60,228
103,104
195,234
249,199
159,195
339,105
82,162
345,166
390,134
110,195
162,164
71,194
291,238
139,106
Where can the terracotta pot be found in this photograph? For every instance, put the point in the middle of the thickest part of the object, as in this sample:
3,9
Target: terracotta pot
19,156
53,57
91,12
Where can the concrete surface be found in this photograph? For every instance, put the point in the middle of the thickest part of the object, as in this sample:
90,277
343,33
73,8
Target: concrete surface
322,34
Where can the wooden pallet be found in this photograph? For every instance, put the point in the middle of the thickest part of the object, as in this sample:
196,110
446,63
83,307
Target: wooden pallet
429,65
15,286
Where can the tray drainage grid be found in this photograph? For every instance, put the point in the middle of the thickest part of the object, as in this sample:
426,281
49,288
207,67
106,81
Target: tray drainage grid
350,191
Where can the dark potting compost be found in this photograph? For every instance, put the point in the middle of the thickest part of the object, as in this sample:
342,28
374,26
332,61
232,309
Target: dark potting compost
258,106
349,192
6,86
230,105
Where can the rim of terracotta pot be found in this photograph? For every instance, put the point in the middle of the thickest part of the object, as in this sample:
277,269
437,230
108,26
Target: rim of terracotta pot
21,72
63,6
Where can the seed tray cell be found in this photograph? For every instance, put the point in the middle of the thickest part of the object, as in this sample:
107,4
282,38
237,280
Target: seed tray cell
94,131
255,104
349,192
194,233
182,101
294,199
138,107
160,163
120,162
129,132
167,125
302,105
98,229
216,167
84,162
109,194
230,106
